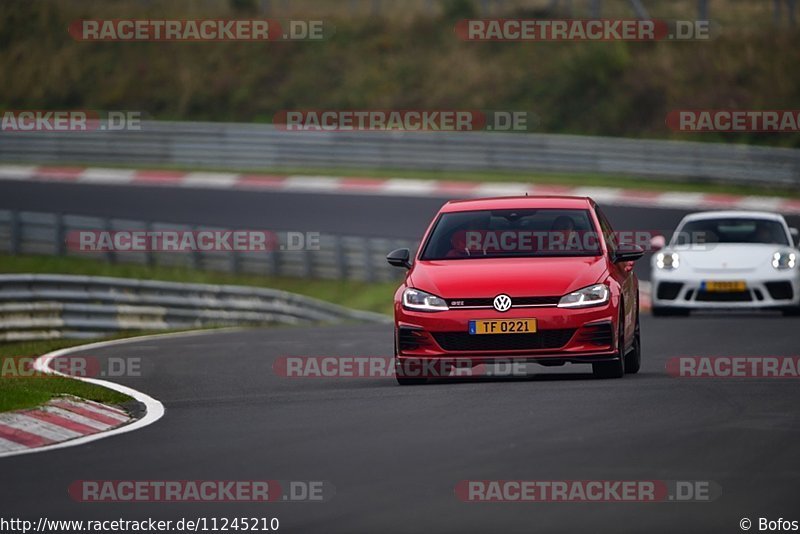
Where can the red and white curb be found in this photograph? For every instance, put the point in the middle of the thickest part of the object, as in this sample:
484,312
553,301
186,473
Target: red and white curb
61,419
66,422
392,187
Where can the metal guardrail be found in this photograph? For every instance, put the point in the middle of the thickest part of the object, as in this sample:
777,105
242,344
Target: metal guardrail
44,306
337,258
254,146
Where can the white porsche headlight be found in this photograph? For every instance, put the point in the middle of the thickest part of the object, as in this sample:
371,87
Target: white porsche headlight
668,261
588,296
783,260
414,299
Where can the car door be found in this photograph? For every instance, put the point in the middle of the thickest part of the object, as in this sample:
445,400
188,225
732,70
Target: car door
623,274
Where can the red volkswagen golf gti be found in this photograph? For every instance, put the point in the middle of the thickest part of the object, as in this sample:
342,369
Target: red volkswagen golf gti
517,279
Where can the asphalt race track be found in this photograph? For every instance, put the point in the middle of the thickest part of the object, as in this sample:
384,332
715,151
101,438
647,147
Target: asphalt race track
394,454
377,216
372,216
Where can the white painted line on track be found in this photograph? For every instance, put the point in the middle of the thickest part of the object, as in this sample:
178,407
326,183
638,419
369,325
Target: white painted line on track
154,408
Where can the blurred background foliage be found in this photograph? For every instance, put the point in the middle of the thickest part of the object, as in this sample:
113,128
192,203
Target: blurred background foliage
402,55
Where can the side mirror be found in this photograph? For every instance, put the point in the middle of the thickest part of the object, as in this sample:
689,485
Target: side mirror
626,252
399,258
795,235
657,242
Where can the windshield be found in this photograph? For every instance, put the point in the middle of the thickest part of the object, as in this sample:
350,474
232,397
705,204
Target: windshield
733,230
512,233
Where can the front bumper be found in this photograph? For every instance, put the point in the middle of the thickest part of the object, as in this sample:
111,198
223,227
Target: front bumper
563,335
774,292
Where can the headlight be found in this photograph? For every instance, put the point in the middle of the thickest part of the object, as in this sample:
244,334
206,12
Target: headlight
414,299
784,260
588,296
668,260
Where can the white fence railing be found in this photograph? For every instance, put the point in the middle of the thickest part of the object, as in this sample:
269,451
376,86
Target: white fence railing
254,146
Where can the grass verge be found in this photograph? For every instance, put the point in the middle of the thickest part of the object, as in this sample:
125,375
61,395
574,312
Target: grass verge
19,390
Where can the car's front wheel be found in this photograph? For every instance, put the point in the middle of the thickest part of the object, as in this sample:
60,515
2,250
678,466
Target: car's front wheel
405,381
400,370
614,368
633,360
401,375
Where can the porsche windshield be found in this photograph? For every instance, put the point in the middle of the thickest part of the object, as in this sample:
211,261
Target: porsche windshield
512,233
732,230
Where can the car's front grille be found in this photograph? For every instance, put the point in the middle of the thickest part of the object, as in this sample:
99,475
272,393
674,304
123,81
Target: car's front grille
720,296
668,290
516,302
780,290
597,334
463,341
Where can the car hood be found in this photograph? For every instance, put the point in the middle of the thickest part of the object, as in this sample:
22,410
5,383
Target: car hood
520,277
730,257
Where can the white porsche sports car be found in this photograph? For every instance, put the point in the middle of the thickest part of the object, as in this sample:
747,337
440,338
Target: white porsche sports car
727,260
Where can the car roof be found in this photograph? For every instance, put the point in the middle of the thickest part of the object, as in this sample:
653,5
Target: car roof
733,214
518,202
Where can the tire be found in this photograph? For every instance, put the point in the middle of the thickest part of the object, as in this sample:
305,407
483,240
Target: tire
605,370
398,372
614,368
633,360
403,381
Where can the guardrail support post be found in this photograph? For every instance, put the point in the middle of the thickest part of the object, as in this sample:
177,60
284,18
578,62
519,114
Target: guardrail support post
194,254
368,265
59,243
16,234
110,254
275,261
149,257
235,264
340,257
308,266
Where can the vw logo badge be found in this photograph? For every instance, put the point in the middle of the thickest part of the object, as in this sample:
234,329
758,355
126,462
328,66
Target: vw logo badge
502,303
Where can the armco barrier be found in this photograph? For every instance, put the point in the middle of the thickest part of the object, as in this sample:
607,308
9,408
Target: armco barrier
255,146
337,257
43,306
